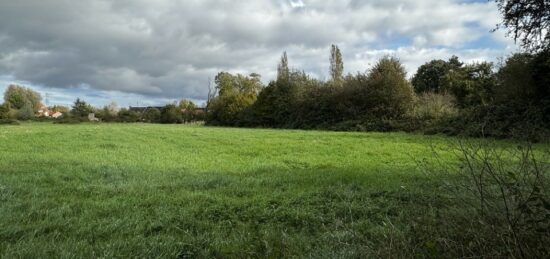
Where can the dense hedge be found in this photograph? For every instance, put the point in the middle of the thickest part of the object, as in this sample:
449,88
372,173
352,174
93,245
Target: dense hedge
469,100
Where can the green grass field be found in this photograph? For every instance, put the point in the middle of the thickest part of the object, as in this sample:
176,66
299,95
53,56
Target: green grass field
116,190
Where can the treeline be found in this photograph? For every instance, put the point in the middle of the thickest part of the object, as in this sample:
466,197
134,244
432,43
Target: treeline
444,96
184,111
22,104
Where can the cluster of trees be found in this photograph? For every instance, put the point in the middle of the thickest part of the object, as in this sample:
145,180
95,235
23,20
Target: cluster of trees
443,96
183,112
20,103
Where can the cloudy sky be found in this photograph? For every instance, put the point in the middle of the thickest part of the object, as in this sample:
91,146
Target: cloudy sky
152,52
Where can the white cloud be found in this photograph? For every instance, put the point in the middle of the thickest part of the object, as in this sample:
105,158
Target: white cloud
167,48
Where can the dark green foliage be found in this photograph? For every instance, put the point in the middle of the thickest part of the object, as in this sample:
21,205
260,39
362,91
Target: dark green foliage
430,77
472,84
5,110
151,115
303,102
81,109
541,76
515,80
171,114
129,116
389,93
9,122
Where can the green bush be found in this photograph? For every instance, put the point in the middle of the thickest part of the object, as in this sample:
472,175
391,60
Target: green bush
5,111
432,106
389,93
9,122
171,114
125,115
26,112
151,115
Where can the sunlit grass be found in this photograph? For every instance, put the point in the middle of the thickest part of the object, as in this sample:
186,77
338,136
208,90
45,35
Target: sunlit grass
142,190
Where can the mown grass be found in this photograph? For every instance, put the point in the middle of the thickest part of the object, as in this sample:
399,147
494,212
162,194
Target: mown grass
142,190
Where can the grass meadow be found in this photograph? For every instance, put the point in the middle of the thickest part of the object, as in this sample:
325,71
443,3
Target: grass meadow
149,191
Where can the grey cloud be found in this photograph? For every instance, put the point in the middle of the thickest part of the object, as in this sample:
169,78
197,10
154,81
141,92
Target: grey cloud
169,48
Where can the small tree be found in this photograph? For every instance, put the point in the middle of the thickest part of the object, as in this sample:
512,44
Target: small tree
283,71
235,94
81,109
472,84
18,96
187,108
389,94
430,77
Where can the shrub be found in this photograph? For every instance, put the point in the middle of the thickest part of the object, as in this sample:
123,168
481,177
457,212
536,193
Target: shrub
26,112
502,194
171,114
5,111
125,115
81,109
432,106
515,79
389,94
430,76
151,115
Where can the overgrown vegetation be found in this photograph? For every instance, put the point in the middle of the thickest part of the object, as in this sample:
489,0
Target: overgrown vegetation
449,97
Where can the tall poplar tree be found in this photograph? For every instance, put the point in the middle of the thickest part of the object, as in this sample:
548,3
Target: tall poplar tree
336,64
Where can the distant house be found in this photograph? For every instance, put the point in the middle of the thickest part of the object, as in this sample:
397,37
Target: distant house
44,112
57,115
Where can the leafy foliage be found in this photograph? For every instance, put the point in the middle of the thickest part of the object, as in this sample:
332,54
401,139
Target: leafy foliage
5,110
430,77
129,116
19,97
81,109
472,84
151,115
171,114
26,112
235,94
528,21
336,65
